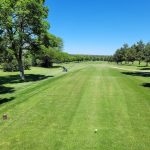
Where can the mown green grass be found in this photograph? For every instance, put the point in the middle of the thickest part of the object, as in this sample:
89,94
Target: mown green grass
62,112
134,66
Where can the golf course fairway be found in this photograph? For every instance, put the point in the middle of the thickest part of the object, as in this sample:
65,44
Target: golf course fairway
91,107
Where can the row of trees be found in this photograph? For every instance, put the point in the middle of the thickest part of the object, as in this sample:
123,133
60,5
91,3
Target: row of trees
24,35
137,52
25,40
80,58
61,57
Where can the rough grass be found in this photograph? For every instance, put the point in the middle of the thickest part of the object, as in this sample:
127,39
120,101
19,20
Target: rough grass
62,112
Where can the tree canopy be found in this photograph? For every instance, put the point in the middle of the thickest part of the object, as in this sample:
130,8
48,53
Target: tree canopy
23,27
139,51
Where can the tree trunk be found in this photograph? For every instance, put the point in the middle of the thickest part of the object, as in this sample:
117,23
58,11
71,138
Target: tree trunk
21,70
139,62
20,64
146,64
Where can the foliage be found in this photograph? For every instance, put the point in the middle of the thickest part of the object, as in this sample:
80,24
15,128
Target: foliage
23,27
80,58
138,51
13,65
147,53
119,56
50,53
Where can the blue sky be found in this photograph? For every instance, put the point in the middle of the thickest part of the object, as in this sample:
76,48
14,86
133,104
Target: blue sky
99,26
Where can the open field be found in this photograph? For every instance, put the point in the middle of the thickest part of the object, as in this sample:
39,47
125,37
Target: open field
60,111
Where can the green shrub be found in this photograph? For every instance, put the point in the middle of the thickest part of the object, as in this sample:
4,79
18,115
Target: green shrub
10,66
39,62
27,64
13,65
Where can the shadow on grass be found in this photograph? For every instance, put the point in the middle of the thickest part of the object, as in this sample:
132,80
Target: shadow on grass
145,69
141,66
58,66
142,74
4,89
16,78
12,79
146,85
5,100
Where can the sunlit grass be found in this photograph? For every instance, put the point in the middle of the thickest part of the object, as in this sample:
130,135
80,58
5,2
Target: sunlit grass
63,111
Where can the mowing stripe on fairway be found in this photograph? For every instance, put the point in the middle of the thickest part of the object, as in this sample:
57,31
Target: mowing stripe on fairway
62,113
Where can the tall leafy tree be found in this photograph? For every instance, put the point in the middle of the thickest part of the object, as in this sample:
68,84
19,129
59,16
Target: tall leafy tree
23,27
139,51
120,54
130,54
147,54
50,53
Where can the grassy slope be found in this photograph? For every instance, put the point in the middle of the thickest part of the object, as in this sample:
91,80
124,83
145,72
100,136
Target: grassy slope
61,113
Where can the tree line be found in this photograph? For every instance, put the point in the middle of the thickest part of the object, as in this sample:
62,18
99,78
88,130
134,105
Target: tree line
82,57
24,35
129,54
25,39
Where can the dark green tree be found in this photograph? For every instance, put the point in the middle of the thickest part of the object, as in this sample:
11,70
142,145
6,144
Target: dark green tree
23,27
119,56
147,54
130,55
52,51
139,51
